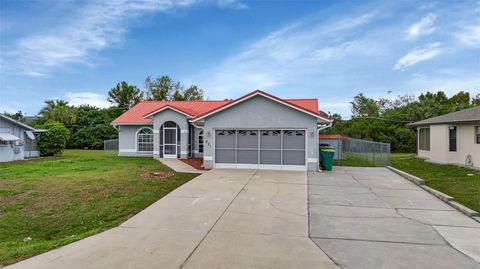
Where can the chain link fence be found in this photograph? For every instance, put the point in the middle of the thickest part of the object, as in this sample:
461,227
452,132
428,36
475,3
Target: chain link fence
357,152
110,147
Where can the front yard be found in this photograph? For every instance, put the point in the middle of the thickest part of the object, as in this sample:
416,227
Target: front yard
49,202
449,179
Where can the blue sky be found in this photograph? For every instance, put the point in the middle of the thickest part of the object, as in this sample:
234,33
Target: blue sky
331,50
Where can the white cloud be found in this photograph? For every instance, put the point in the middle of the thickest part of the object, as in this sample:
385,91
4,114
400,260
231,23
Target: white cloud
285,56
87,98
418,55
96,26
470,36
424,27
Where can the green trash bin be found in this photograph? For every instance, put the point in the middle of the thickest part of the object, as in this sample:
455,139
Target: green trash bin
326,157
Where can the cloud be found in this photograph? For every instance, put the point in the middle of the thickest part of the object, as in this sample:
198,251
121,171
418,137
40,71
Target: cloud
87,98
424,27
285,56
94,27
418,55
470,36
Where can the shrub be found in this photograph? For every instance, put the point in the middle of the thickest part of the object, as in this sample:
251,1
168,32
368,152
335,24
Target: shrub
54,140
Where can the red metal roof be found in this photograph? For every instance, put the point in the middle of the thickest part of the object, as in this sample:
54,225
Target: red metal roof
196,109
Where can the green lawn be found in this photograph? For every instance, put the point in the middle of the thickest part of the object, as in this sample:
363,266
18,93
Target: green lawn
352,160
58,200
449,179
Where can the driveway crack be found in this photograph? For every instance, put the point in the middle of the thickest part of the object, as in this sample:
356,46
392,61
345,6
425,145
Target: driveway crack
215,223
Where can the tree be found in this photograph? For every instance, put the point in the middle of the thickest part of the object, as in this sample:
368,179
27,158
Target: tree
16,116
160,89
165,88
363,106
125,96
476,100
54,140
58,110
193,93
459,101
92,128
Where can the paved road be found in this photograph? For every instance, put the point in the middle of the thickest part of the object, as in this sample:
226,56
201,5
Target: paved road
373,218
221,219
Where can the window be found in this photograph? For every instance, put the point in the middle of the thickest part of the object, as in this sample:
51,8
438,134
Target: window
452,138
424,139
145,140
200,141
477,135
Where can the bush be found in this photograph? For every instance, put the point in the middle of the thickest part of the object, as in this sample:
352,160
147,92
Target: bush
54,140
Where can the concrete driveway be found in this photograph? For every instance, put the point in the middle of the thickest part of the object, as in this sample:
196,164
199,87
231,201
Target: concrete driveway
373,218
221,219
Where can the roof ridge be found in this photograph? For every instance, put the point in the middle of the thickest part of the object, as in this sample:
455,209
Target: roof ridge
157,101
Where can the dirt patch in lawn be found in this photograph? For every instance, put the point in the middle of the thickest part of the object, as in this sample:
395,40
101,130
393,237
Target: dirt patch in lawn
196,163
155,175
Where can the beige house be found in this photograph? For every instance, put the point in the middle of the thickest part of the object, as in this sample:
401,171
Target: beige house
451,139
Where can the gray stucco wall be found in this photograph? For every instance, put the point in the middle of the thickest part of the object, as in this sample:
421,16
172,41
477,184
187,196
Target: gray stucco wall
181,120
262,113
127,140
7,152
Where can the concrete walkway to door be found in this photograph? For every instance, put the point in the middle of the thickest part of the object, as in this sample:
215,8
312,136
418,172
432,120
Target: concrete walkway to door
221,219
180,166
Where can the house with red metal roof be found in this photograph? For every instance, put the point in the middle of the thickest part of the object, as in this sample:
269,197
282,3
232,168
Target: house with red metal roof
257,130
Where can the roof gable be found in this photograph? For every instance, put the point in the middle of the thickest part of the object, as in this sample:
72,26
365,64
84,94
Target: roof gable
308,106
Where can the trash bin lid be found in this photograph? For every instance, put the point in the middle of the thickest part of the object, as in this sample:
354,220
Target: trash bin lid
327,150
326,147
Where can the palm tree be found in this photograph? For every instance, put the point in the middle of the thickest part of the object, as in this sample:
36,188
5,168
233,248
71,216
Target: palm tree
59,110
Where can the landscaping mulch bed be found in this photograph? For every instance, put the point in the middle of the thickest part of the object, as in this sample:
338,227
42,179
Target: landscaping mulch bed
154,175
195,163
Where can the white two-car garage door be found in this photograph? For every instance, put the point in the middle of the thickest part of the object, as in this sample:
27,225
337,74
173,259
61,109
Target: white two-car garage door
267,149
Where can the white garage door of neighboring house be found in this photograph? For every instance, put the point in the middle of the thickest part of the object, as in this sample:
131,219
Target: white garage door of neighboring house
264,149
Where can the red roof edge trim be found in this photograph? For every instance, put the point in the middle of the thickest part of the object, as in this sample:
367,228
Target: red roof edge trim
165,107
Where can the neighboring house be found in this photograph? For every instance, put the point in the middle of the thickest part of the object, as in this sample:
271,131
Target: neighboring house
452,138
257,130
17,140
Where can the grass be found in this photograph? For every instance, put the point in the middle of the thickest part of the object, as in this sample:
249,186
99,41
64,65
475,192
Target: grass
58,200
449,179
352,160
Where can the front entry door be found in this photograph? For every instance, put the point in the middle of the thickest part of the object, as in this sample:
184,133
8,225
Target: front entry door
170,142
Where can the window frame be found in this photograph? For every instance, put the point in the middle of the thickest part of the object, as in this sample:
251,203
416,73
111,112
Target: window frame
144,142
200,141
476,134
452,147
424,142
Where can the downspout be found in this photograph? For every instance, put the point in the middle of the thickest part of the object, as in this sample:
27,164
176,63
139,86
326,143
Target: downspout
321,128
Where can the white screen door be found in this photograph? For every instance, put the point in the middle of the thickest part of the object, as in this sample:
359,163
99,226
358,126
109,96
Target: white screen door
170,142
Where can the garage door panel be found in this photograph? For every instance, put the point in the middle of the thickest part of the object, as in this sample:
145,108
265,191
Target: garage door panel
270,156
247,139
293,139
225,139
270,139
293,157
225,156
247,156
